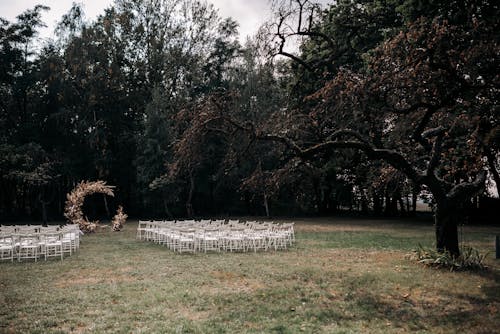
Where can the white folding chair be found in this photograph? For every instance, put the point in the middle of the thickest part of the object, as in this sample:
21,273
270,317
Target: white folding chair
7,247
277,238
186,241
209,240
257,238
51,244
70,239
235,239
27,246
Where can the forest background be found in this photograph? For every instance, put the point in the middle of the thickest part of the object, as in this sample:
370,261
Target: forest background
162,100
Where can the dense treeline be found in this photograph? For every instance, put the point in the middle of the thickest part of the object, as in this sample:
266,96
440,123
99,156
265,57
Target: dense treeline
161,99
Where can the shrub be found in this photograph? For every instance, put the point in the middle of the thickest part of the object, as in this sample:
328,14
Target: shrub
470,259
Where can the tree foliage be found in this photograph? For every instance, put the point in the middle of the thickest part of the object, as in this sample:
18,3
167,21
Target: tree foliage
425,104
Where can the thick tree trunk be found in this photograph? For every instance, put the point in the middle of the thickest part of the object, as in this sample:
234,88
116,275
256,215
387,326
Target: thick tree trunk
402,208
447,219
493,169
414,198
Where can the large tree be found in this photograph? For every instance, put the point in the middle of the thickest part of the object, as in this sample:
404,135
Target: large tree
425,103
427,106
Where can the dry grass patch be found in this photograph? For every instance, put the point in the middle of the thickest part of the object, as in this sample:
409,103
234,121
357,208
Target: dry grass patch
93,276
230,282
337,279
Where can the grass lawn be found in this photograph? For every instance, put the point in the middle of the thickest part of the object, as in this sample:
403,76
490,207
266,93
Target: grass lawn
343,276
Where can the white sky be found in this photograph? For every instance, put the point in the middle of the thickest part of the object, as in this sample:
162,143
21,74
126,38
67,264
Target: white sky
250,14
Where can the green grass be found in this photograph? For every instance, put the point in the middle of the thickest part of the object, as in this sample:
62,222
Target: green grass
343,276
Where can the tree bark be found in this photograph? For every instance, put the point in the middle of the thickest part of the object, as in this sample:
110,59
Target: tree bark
266,204
377,205
189,202
414,198
447,219
364,202
402,207
493,170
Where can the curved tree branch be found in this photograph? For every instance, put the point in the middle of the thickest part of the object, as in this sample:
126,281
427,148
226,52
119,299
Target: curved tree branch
436,148
467,189
281,50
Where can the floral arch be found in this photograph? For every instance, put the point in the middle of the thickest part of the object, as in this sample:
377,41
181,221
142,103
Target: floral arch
74,202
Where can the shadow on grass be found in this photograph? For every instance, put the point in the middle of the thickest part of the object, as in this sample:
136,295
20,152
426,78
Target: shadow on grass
444,309
492,291
363,240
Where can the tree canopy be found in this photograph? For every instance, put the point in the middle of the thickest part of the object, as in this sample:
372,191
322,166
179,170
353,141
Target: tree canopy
378,101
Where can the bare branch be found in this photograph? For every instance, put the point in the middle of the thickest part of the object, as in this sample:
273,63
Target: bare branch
436,148
434,132
417,134
281,50
296,59
301,8
392,157
284,30
351,133
284,140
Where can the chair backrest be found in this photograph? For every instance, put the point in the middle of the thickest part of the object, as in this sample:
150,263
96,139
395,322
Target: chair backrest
26,239
49,229
237,231
50,236
9,229
26,229
218,222
6,240
187,232
211,231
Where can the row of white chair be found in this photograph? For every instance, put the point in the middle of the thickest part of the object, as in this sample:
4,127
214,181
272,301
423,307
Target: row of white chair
217,235
29,242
